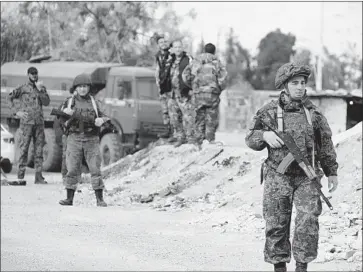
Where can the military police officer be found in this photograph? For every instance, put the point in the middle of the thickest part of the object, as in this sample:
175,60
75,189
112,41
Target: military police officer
83,128
295,114
27,103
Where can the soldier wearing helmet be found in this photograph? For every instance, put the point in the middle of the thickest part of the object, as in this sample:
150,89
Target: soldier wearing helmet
295,114
82,129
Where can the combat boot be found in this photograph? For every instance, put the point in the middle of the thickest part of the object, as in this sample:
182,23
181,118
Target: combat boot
280,267
99,198
301,267
39,179
69,200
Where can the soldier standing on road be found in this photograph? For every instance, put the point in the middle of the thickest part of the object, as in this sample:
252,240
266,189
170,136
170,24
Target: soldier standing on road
31,96
182,112
163,81
83,128
208,78
295,114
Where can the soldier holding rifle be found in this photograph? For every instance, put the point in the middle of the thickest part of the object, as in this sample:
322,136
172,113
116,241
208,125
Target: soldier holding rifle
292,171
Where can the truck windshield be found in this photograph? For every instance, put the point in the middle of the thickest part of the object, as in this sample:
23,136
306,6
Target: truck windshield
147,89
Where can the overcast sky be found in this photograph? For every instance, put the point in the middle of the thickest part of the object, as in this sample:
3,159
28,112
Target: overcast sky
342,22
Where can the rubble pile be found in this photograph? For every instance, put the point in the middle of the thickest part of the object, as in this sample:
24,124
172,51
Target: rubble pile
222,184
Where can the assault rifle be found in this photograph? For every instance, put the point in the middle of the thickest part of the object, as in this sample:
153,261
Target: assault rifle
77,116
300,159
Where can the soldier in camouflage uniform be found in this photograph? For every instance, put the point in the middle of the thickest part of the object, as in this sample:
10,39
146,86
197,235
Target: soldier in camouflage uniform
208,78
163,81
83,130
182,113
295,114
27,103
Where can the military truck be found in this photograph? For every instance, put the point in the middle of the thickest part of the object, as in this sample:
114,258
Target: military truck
129,96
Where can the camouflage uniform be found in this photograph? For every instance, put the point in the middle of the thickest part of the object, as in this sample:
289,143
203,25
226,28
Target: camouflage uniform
83,141
182,110
208,77
163,63
30,100
282,190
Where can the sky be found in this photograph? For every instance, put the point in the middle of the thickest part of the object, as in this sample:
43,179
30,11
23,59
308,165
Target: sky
341,23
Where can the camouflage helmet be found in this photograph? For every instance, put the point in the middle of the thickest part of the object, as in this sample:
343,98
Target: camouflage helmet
289,70
82,79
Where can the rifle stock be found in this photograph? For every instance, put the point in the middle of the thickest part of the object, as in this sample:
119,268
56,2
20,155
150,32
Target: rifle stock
301,160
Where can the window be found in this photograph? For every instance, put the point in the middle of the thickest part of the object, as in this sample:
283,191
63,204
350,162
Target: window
122,89
147,89
3,82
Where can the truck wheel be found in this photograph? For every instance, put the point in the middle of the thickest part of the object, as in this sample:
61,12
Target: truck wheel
111,148
52,152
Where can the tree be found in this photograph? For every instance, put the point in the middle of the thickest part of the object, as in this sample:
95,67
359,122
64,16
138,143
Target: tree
275,49
88,31
237,61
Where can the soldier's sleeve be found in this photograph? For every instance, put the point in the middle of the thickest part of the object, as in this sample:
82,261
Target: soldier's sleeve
61,107
222,76
15,94
101,112
254,137
326,152
43,96
187,75
157,72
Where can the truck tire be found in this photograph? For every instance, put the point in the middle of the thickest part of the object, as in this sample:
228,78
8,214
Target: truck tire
111,148
52,152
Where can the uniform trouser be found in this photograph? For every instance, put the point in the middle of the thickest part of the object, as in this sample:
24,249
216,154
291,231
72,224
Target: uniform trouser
206,122
26,134
64,150
164,99
79,145
280,192
182,116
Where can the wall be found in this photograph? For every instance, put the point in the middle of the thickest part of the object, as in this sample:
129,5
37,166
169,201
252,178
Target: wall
335,111
238,107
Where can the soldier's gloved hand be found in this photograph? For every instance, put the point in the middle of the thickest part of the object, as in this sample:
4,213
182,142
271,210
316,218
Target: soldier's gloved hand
68,111
99,121
22,114
332,183
272,139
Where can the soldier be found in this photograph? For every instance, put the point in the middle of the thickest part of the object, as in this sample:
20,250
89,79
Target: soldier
208,78
31,96
163,81
83,128
182,113
295,114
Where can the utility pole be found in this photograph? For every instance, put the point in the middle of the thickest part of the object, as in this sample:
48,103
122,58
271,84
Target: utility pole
319,74
49,33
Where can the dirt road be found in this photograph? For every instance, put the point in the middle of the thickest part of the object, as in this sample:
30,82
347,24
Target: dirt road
39,234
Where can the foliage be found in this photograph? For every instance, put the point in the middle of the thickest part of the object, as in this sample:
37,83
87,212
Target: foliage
86,31
275,49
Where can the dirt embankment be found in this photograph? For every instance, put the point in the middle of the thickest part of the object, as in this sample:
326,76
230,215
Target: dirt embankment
226,194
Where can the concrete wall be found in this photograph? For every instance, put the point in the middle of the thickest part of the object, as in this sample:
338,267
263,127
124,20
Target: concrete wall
335,111
237,109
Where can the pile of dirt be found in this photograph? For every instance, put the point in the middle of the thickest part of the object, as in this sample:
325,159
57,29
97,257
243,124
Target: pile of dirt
222,185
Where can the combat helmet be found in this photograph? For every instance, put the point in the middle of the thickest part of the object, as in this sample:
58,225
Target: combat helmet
289,70
82,79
